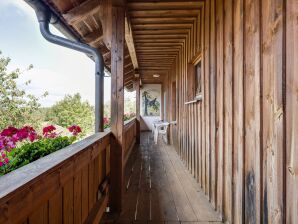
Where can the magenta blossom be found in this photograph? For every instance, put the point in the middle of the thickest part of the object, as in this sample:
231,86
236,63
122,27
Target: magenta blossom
9,132
48,131
7,143
3,159
75,129
27,132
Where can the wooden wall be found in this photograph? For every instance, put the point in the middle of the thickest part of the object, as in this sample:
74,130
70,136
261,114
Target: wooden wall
240,141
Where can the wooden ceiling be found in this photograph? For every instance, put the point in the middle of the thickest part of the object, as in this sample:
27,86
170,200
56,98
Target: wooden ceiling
159,29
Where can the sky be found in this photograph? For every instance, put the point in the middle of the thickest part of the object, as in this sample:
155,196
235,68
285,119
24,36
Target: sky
56,69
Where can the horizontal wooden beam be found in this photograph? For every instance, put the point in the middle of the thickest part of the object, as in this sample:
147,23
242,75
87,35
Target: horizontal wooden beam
78,13
157,26
161,36
168,20
93,37
162,31
157,44
159,41
158,47
165,5
128,65
165,13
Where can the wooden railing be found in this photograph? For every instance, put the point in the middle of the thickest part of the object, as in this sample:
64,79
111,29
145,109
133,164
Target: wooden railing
68,186
129,137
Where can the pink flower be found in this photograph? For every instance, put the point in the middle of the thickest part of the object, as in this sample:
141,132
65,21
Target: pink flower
32,137
9,132
75,129
7,143
106,120
48,129
3,159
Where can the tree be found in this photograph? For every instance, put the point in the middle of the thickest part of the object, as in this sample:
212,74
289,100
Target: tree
72,111
17,108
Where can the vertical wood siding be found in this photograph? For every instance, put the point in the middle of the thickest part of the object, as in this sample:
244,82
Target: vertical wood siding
240,141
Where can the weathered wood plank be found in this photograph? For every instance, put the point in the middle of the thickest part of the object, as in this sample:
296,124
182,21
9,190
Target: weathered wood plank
291,111
228,110
252,111
212,103
273,116
238,100
219,104
206,185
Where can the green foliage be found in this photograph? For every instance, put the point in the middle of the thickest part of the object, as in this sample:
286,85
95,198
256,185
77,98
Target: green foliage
30,152
72,110
16,104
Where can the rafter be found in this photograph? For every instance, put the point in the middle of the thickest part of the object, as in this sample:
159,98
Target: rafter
81,11
130,43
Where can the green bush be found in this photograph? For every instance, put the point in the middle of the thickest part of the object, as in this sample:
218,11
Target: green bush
30,152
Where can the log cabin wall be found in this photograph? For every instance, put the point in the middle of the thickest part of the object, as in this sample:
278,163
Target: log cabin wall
240,141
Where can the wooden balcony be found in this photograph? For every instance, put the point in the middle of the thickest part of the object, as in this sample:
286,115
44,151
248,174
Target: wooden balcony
228,76
68,186
159,189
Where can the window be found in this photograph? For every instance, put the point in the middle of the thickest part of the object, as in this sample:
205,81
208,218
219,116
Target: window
194,81
198,79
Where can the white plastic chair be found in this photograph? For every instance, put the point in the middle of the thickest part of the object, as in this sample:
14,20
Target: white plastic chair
161,129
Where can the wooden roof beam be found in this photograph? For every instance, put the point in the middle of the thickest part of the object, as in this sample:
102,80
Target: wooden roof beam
162,31
168,20
160,26
165,5
130,43
165,13
93,37
81,11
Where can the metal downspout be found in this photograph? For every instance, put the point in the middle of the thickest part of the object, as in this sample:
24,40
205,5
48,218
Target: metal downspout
45,17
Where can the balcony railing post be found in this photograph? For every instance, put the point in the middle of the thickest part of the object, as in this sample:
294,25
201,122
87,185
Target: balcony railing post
117,108
138,116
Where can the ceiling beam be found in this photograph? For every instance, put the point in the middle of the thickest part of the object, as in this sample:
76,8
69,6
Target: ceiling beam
165,5
161,36
165,13
162,31
157,26
93,37
81,11
130,43
160,41
169,20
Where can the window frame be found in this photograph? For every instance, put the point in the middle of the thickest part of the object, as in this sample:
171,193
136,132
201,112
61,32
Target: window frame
192,94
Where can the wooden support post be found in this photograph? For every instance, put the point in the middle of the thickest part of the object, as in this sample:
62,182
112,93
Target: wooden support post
138,129
117,108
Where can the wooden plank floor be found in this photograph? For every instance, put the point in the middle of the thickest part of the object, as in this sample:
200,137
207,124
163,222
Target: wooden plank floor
159,189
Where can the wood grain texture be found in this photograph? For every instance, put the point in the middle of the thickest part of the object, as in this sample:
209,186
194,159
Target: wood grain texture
291,108
117,108
51,193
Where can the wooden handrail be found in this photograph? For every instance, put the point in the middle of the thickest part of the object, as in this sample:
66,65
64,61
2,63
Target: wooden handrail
128,122
24,191
130,137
